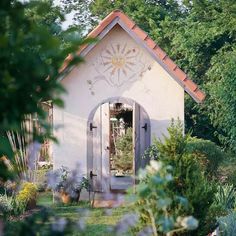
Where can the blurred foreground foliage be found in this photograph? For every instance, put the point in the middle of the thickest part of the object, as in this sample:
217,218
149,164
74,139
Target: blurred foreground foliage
195,163
33,47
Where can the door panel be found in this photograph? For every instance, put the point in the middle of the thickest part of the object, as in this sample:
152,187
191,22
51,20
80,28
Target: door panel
98,149
145,136
136,136
141,136
105,142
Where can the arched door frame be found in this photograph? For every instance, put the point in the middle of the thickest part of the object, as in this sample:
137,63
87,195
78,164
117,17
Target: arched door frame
138,127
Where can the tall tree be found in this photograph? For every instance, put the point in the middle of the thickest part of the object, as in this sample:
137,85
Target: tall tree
79,14
148,14
202,40
221,104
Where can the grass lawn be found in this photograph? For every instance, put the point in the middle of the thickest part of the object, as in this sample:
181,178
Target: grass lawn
97,220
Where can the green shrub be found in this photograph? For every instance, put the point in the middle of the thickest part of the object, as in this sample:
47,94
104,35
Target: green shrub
207,152
189,176
123,159
158,206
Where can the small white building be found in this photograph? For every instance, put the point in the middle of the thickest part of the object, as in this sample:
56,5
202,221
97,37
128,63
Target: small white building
124,66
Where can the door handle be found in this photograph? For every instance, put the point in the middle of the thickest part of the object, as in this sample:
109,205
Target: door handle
91,174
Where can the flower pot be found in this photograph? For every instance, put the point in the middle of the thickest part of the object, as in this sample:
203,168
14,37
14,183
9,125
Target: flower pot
65,197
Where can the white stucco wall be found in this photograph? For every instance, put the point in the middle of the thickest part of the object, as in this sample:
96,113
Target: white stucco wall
92,82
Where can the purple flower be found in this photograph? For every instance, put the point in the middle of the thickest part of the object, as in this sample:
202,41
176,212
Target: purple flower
59,225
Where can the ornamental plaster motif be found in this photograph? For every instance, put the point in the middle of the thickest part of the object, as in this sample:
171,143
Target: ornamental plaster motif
118,64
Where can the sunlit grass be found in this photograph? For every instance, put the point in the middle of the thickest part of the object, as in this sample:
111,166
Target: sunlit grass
97,220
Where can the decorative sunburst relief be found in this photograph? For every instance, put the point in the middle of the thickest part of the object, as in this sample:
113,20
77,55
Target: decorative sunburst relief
118,64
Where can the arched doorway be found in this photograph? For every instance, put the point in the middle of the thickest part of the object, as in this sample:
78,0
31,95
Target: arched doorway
118,134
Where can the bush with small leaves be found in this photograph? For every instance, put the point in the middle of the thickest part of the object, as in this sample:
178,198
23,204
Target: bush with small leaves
190,178
208,153
157,205
123,159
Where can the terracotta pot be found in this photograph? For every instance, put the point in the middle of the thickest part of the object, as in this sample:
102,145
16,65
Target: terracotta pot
65,197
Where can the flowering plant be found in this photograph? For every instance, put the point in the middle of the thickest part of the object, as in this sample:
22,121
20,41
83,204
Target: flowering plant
67,181
27,193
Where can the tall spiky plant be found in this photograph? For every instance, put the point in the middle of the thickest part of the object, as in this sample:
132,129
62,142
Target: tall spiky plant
26,150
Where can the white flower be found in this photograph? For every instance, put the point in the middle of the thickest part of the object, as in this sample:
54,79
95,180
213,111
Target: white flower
154,166
189,223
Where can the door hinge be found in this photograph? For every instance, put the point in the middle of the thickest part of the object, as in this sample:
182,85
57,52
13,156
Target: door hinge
91,174
91,126
145,127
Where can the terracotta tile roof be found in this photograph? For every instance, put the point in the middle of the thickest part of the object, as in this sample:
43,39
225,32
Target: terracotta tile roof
190,87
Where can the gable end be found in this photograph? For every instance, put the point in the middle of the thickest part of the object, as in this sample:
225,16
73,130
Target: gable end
118,17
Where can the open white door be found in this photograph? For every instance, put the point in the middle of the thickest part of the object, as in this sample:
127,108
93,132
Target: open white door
98,149
105,143
94,151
